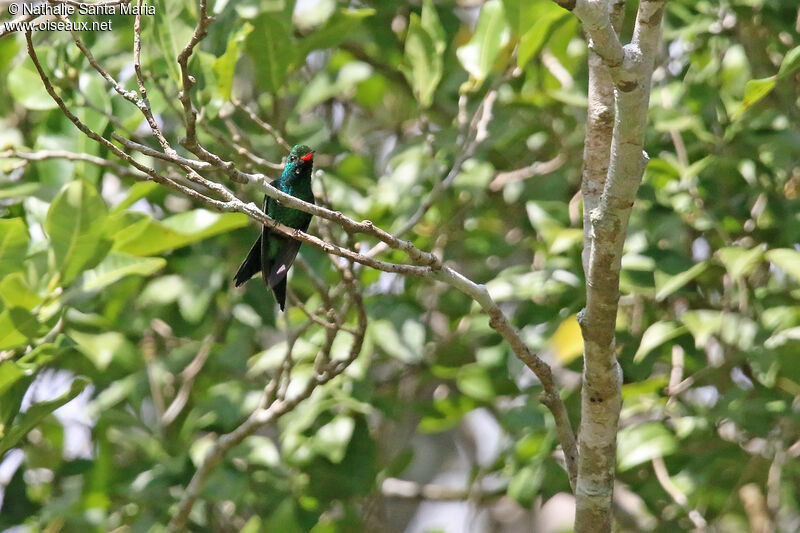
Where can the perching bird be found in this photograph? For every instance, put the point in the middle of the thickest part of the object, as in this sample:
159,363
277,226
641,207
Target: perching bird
273,253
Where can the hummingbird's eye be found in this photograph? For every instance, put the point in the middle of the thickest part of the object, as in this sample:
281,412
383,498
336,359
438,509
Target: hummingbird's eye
292,158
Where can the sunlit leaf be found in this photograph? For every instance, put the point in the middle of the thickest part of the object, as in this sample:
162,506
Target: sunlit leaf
76,226
225,65
424,48
17,327
474,380
740,262
35,413
331,440
567,341
755,90
342,25
491,35
641,443
656,335
26,87
525,485
179,230
270,44
667,285
101,348
15,292
13,245
10,373
116,266
166,25
790,63
787,259
546,16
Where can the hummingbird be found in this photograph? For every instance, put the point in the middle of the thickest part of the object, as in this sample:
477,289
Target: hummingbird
273,253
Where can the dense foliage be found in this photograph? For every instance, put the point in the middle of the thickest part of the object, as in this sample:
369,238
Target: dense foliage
110,288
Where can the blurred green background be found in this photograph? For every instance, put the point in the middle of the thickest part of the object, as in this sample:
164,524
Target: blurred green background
110,287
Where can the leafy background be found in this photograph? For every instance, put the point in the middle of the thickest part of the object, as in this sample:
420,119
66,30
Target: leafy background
109,288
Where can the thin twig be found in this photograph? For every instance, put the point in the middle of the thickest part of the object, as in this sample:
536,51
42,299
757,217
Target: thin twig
44,155
662,475
188,375
263,125
538,168
411,490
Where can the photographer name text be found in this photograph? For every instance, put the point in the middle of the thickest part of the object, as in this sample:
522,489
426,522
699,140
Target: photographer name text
46,9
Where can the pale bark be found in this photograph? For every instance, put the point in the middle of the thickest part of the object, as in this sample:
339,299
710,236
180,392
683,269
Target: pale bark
614,162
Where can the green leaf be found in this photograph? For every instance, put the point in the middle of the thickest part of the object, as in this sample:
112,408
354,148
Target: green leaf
433,26
740,262
116,266
522,14
163,290
253,525
15,292
790,63
755,90
733,328
260,450
17,327
138,190
179,230
424,48
10,373
13,245
491,35
284,519
76,226
96,92
205,91
342,25
225,65
331,440
164,24
656,335
101,348
473,380
407,348
26,87
787,259
272,48
16,189
547,18
638,444
650,386
666,284
322,88
525,485
702,323
45,353
36,413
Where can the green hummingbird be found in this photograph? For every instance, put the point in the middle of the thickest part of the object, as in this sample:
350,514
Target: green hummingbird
273,253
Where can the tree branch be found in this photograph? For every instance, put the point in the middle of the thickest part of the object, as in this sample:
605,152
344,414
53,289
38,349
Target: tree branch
400,488
605,225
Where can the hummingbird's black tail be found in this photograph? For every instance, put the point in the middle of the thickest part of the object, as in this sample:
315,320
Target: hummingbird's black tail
275,270
279,290
251,265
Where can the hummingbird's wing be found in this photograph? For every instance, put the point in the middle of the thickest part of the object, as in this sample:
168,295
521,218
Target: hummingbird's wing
272,255
252,263
277,255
